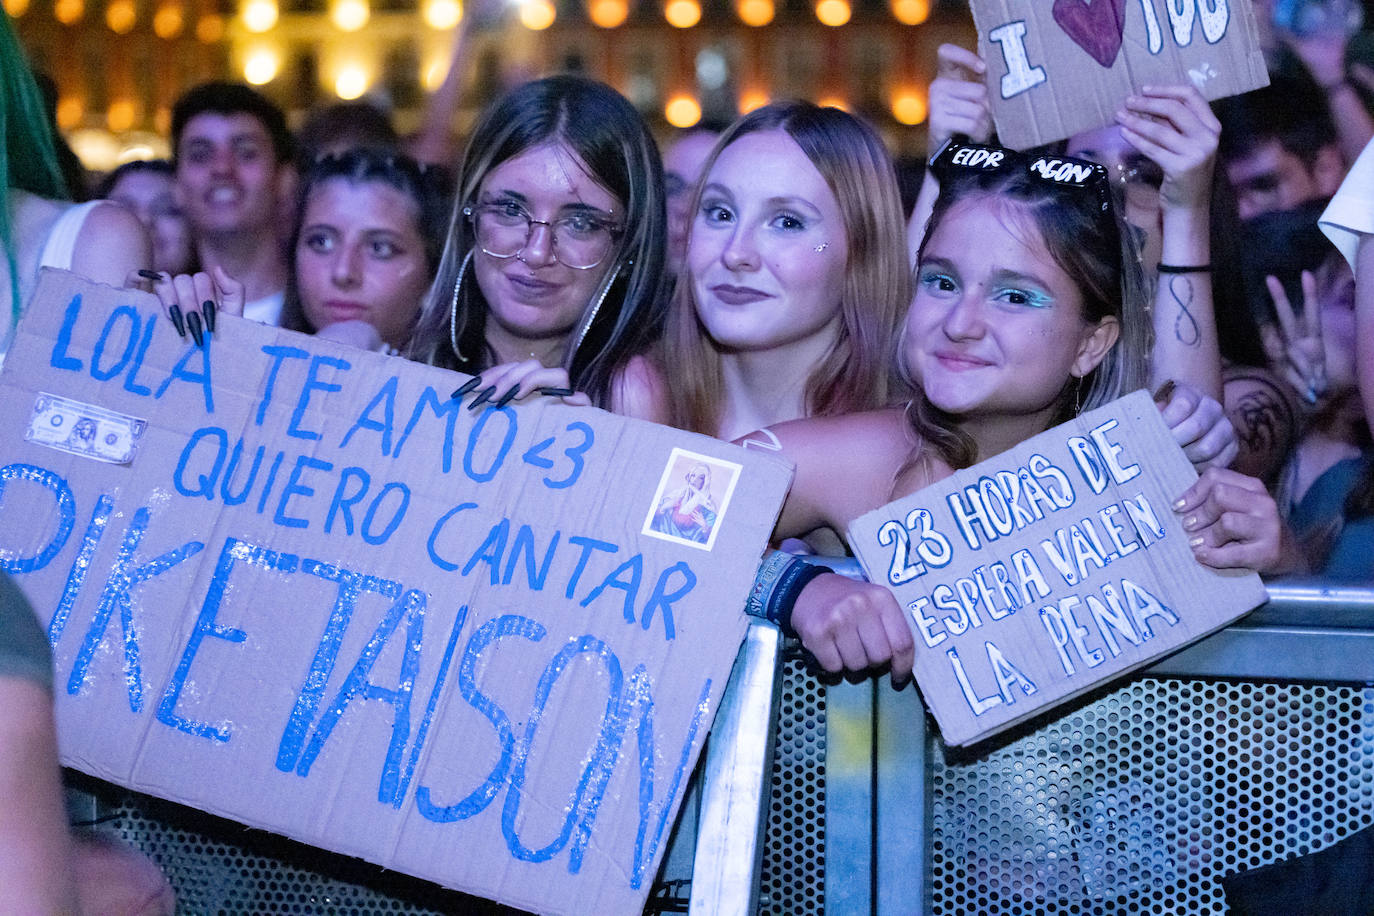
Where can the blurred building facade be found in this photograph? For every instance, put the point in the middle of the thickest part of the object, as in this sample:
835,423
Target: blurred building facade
120,64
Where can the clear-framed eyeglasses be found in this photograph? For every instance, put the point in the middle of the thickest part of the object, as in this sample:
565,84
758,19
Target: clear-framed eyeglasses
580,240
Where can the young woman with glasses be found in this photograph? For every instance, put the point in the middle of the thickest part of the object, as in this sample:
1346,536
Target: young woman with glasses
1029,307
554,266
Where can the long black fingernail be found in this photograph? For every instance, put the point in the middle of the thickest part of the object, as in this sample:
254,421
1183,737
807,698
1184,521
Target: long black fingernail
149,274
193,325
482,397
466,386
506,398
209,309
174,312
555,392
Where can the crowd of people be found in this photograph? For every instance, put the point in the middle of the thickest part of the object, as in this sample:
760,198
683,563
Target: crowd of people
770,269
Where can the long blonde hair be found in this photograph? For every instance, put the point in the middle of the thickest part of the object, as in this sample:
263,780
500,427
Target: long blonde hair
856,373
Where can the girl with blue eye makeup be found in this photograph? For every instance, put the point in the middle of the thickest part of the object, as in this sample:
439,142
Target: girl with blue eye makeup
795,275
1029,307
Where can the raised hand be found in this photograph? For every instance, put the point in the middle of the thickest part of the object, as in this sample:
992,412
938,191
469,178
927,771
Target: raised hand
1175,128
1296,349
958,97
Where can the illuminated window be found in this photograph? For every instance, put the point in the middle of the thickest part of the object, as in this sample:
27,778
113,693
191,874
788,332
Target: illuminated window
832,12
754,12
682,14
168,21
537,15
911,12
682,111
443,14
259,15
350,15
608,14
909,107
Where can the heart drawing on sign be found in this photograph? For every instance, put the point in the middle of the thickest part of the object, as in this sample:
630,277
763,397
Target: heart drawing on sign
1094,26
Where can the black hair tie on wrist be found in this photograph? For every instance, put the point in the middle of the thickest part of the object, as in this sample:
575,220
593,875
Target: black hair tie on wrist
1184,268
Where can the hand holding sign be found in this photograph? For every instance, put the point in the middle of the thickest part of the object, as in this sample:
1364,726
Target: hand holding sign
959,97
1232,521
1063,567
1056,71
1174,126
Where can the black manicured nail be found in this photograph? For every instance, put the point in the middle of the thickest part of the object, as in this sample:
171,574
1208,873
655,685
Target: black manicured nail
174,312
506,398
482,397
556,392
466,386
209,309
149,274
193,325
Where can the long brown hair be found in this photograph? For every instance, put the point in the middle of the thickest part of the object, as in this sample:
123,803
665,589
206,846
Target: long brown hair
856,374
1097,252
611,139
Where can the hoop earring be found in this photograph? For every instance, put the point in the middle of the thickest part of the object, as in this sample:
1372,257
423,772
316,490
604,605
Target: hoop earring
586,326
453,309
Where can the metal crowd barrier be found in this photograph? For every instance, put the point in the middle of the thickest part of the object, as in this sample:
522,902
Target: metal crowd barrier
1249,747
1252,746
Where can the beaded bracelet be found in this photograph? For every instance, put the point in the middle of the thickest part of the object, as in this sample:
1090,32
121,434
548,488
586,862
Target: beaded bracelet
1184,268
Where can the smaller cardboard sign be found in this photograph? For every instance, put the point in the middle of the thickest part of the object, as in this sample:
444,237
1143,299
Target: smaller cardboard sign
1058,68
1048,570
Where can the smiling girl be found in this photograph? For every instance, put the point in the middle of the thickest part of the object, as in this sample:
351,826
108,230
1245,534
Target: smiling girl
555,252
796,275
1029,307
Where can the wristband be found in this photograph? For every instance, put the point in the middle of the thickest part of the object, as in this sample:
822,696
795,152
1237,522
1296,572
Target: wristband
1184,268
778,583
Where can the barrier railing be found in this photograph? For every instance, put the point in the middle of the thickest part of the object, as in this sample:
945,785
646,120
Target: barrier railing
1274,714
882,861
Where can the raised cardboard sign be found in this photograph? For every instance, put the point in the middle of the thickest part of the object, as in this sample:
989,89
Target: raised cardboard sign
294,584
1049,569
1058,68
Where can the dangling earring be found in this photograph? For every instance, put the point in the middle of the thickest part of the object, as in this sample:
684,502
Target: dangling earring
591,313
453,309
1078,397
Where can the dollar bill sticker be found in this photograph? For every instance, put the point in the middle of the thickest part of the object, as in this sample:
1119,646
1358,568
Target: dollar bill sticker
84,429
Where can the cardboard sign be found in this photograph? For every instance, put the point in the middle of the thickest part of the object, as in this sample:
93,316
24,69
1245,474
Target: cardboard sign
294,584
1049,569
1057,68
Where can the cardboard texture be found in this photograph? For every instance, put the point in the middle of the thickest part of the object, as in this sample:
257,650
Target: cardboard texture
293,584
1057,68
1049,569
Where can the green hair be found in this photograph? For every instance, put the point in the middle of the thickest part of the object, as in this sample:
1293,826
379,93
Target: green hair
28,159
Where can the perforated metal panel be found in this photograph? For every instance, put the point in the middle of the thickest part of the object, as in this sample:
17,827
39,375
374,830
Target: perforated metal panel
793,879
1142,800
219,867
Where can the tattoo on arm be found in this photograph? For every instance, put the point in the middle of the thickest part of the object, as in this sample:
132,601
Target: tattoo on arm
1186,330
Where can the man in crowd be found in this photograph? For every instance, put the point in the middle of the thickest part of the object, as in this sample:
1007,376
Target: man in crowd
235,181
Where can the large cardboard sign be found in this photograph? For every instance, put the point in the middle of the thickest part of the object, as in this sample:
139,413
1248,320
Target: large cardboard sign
1058,68
1049,569
294,584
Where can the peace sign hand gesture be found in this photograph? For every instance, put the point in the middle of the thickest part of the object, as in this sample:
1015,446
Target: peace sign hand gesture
1297,350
